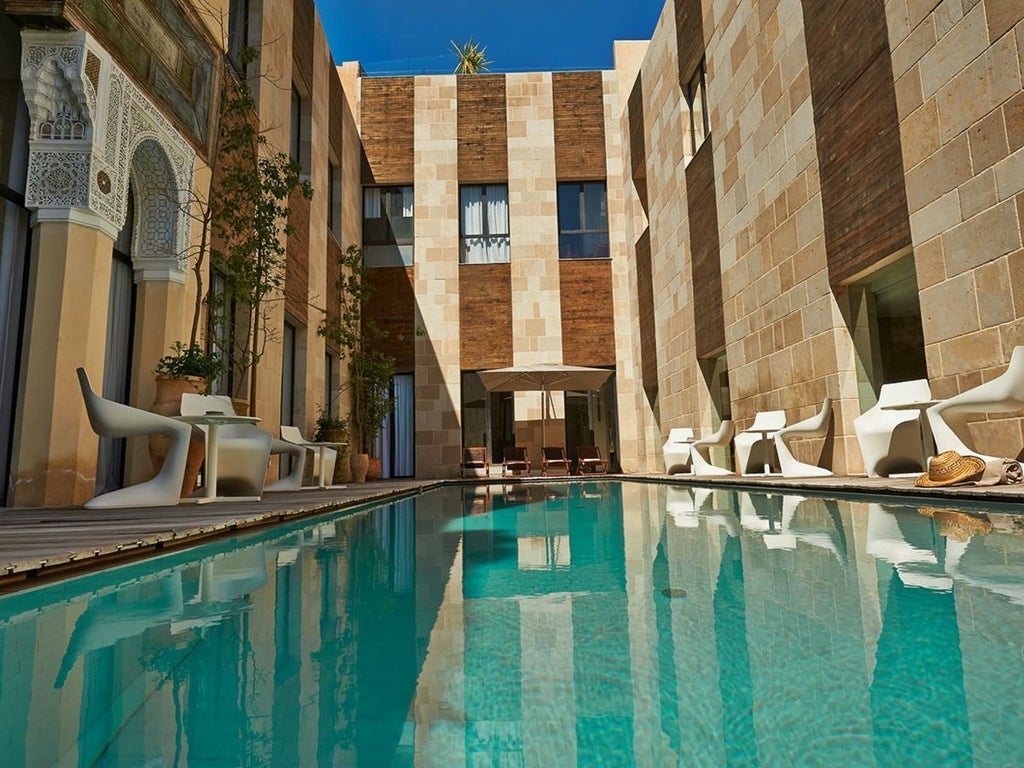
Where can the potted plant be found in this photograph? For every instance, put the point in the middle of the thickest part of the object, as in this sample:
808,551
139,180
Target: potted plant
187,369
334,429
370,375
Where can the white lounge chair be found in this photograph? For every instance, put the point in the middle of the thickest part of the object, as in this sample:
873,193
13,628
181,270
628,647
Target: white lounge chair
815,426
325,475
755,447
243,450
890,440
700,453
111,419
1003,394
676,450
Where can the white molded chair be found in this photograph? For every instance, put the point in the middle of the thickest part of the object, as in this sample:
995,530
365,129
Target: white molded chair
111,419
754,449
243,450
294,435
890,440
815,426
700,454
293,480
1003,394
677,449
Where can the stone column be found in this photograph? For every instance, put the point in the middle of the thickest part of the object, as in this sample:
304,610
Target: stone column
54,453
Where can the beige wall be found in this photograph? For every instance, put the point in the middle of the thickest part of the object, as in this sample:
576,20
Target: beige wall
438,375
961,106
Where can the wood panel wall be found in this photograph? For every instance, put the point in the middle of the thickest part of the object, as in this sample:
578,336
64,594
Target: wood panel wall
483,129
485,316
303,30
645,300
391,307
689,38
637,141
335,114
863,194
387,112
588,322
333,298
706,263
578,100
296,271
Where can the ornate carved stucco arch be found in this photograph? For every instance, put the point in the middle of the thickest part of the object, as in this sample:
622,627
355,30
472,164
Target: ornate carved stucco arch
93,130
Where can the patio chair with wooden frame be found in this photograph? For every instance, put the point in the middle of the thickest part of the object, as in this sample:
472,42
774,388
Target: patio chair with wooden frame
516,460
475,461
589,461
553,460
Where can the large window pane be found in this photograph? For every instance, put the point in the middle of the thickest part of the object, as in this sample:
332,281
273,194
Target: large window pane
583,220
484,224
388,226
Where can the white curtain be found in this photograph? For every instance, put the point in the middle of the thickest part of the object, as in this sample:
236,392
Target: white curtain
407,198
371,203
494,247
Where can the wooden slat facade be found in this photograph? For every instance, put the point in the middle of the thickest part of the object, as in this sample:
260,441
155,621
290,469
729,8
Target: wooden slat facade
296,272
578,100
485,316
638,142
303,29
706,263
863,194
588,322
391,306
689,38
645,301
387,111
335,114
482,129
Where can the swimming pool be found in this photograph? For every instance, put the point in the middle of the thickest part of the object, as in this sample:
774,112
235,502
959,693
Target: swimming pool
585,623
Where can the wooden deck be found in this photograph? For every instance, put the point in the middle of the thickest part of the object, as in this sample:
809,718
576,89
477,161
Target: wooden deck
41,543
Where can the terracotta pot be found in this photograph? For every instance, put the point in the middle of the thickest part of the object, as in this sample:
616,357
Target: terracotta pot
359,462
167,402
373,471
241,406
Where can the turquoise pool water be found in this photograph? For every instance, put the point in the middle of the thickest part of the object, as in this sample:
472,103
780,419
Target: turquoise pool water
595,623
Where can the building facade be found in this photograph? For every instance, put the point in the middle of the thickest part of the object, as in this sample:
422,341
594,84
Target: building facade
764,205
825,197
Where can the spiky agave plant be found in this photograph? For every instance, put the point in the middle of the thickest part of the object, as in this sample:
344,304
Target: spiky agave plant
471,58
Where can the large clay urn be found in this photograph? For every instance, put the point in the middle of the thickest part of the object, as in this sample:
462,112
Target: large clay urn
360,463
373,470
167,402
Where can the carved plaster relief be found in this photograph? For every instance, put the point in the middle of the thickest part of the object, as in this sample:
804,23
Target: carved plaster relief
93,131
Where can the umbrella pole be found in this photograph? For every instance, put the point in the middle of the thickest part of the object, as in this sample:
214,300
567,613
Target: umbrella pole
543,417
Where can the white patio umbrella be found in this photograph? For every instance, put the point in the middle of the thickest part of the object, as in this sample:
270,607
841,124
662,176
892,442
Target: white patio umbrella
544,377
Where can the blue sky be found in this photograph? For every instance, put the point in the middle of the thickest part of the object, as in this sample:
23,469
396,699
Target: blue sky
413,36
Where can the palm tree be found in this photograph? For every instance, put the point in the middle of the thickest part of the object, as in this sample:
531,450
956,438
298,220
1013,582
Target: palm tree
471,58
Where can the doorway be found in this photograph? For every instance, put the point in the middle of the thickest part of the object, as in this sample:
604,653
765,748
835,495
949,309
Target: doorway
117,365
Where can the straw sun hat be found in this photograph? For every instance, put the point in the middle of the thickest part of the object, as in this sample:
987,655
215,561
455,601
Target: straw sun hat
950,468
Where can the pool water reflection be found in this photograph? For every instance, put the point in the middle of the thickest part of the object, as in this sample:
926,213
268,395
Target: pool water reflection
539,625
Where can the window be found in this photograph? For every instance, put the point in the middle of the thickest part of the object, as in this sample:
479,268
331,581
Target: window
696,100
238,33
331,384
299,137
484,224
333,198
582,220
388,226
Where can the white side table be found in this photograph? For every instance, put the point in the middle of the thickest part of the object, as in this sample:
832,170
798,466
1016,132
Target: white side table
213,422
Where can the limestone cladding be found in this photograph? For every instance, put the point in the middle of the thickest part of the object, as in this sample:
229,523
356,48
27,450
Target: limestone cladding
958,71
436,201
786,343
626,389
533,222
680,400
